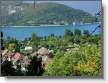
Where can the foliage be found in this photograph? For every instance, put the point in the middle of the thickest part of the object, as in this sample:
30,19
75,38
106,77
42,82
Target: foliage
34,41
12,44
86,33
6,68
77,32
68,33
74,54
35,67
84,62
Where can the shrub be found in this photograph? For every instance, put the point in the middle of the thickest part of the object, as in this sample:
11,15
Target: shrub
84,62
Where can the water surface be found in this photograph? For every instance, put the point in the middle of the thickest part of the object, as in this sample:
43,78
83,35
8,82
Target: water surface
21,32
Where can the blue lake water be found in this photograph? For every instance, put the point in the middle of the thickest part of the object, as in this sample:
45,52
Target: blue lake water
21,32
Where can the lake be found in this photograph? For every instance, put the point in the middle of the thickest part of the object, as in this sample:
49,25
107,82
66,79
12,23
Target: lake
21,32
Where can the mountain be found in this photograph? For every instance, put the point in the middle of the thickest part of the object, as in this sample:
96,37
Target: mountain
47,13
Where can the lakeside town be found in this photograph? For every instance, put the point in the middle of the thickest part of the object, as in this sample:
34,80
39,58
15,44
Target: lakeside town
35,55
77,52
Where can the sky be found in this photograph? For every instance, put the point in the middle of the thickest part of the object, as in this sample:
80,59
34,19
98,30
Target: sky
88,6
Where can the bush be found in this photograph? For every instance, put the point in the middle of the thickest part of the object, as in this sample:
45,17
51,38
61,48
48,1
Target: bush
84,62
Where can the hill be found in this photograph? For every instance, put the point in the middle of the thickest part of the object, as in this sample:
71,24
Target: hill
48,13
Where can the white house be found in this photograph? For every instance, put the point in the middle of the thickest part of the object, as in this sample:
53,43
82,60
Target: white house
28,48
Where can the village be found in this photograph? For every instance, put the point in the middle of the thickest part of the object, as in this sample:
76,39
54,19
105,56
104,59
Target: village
45,55
73,49
38,56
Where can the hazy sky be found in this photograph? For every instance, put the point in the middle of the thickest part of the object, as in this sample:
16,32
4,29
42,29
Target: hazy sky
88,6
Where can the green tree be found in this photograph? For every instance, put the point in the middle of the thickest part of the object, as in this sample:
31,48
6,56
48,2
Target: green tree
86,33
7,68
12,44
83,62
35,67
77,32
68,32
34,41
34,37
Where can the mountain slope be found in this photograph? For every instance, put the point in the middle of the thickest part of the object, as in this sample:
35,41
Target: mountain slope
48,13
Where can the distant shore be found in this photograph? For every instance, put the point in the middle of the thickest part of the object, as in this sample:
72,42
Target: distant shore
45,25
34,25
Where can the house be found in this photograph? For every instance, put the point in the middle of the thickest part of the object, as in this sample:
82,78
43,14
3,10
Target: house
34,54
7,55
4,52
20,59
43,51
28,48
24,63
51,52
17,57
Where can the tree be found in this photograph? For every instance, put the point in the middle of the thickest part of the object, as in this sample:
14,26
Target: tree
77,39
12,44
35,67
77,32
68,32
68,35
84,62
7,69
14,47
86,33
52,35
34,37
34,41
